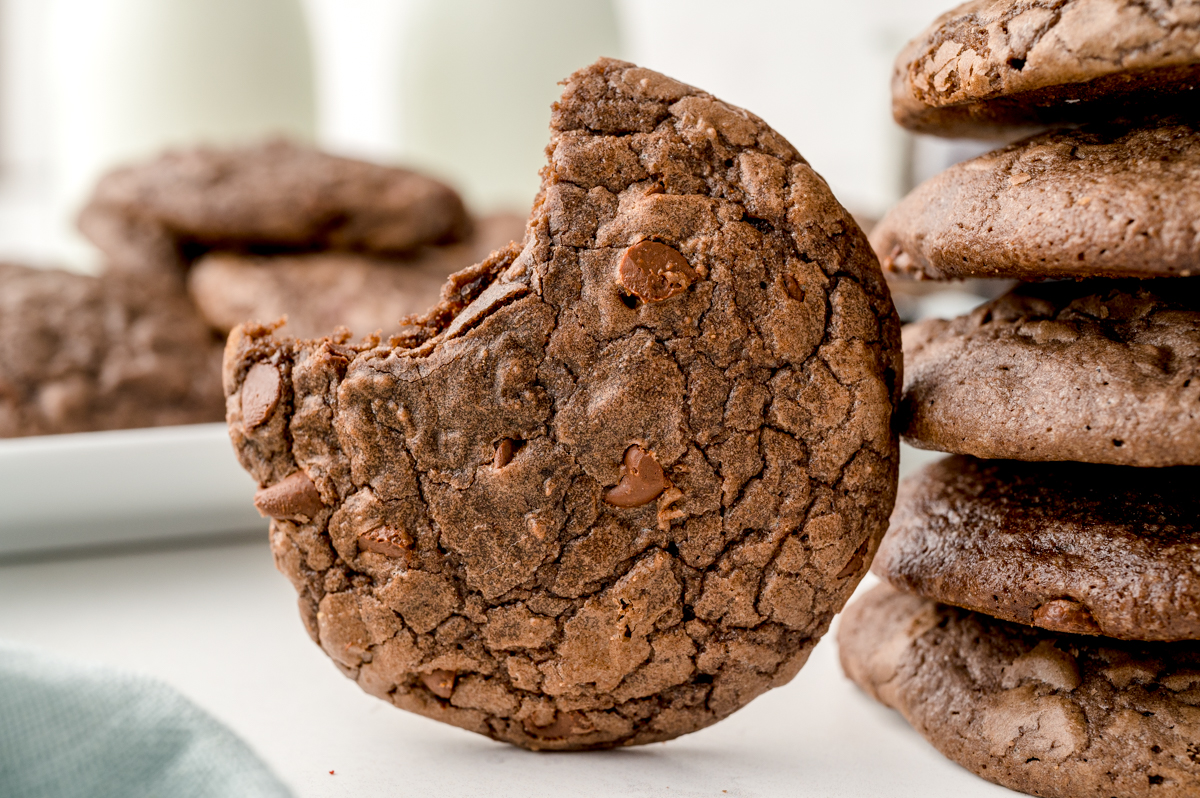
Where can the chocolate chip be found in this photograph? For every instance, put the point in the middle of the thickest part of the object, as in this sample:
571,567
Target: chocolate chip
653,272
1066,615
260,394
294,498
565,724
792,288
440,683
385,541
504,453
505,450
855,563
642,480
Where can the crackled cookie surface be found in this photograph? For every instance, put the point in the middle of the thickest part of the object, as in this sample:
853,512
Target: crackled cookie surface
157,216
618,482
320,291
1095,371
1102,201
1051,715
990,66
82,353
1087,549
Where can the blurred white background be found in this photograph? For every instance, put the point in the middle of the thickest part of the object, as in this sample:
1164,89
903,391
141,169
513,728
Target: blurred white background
425,82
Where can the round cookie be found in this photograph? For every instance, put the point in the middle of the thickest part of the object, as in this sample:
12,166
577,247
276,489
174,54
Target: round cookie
620,480
1095,371
1046,714
1086,549
162,213
1103,201
320,291
81,353
991,66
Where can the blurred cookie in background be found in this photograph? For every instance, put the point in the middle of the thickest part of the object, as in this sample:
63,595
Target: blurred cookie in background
277,196
255,232
80,353
323,290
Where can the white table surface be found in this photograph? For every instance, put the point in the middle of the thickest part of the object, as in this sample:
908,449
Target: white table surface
221,625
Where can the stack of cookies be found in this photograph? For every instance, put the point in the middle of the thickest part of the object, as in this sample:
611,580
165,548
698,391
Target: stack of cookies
1043,596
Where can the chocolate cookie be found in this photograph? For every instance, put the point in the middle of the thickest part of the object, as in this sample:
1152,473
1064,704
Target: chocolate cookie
1094,371
1046,714
1104,201
155,215
1069,547
82,353
320,291
990,66
617,483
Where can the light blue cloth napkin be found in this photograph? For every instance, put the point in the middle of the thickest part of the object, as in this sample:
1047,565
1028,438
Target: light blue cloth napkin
69,729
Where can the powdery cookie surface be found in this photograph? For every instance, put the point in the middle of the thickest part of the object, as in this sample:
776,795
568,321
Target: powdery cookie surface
320,291
1093,371
991,66
1051,715
1104,201
619,481
153,216
82,353
1069,547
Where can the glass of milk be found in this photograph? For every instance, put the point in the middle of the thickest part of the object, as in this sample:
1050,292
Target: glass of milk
130,77
477,78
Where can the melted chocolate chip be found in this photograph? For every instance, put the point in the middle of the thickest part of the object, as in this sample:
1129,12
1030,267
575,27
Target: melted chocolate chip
654,272
505,449
294,498
1066,615
385,541
440,683
792,288
855,564
642,480
260,394
565,724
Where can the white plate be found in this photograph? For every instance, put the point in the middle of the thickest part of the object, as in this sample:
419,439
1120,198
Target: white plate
96,488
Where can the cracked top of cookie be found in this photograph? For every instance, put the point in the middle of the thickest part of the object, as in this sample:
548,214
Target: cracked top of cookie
1099,201
275,196
990,67
618,481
